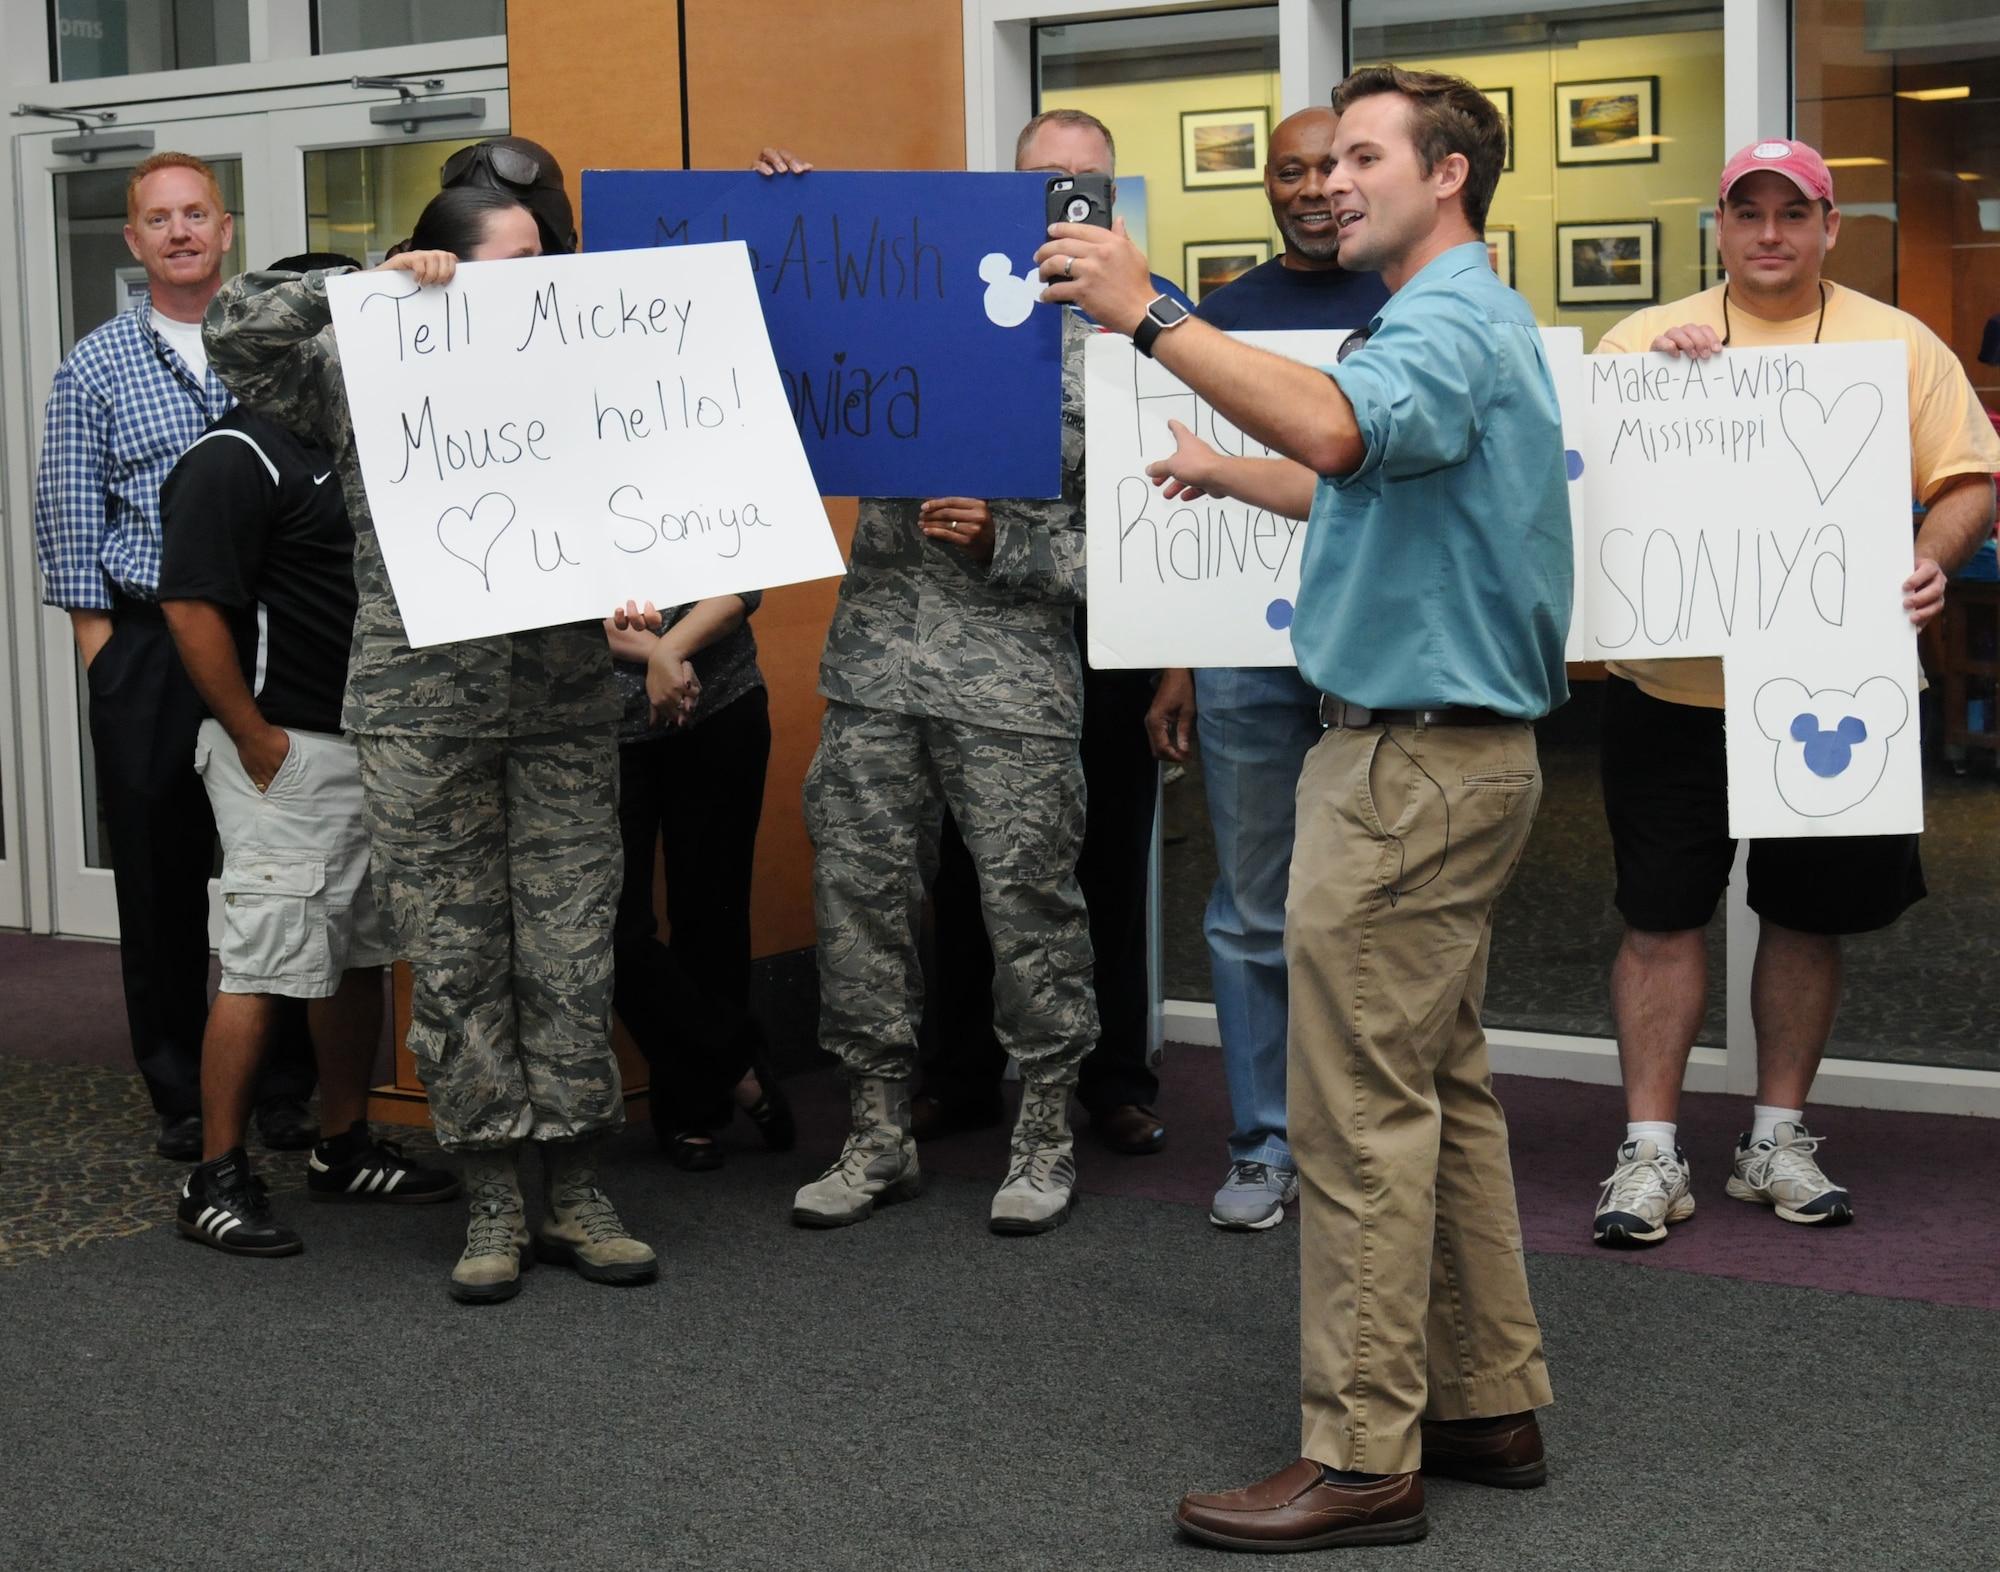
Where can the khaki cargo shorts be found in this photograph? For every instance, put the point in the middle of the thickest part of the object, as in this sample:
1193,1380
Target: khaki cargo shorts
298,907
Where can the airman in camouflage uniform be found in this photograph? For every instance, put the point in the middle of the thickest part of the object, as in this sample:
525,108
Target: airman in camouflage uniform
489,768
955,683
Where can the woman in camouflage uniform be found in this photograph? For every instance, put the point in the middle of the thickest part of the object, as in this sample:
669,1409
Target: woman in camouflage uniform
490,774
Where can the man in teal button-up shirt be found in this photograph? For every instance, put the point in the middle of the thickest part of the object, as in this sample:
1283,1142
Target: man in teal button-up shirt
1433,605
1438,571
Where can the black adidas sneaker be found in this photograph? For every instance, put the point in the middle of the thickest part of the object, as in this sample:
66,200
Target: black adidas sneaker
356,1167
225,1205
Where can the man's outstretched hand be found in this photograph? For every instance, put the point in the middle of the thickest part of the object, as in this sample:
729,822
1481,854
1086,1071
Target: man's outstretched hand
1190,473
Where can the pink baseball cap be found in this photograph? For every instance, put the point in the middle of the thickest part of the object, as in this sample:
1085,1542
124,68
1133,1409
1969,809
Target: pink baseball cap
1794,160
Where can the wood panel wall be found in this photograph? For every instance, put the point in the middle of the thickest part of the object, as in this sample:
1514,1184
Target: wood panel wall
866,84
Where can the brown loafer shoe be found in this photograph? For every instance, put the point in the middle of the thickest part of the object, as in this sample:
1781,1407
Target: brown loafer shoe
1505,1452
1296,1509
1130,1129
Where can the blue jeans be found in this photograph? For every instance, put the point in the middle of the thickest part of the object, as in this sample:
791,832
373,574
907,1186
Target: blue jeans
1256,724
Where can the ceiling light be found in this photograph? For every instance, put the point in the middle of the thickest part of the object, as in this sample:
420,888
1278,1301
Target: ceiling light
1933,95
1968,174
1855,163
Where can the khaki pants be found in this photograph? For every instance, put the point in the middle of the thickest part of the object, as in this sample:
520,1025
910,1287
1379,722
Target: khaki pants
1414,1297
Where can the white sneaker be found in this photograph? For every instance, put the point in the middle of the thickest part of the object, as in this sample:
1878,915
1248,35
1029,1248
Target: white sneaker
1783,1173
1646,1191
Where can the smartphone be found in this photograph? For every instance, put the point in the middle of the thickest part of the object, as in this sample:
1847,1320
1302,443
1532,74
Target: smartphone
1080,199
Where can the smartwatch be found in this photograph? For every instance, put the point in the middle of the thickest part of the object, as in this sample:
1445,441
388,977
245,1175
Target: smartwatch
1164,312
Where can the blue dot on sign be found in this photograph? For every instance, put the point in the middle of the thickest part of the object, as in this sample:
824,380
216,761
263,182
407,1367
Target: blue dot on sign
1573,462
1279,614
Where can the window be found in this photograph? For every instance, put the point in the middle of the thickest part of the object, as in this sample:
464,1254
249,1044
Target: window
94,38
1615,146
1903,100
341,25
362,200
1190,100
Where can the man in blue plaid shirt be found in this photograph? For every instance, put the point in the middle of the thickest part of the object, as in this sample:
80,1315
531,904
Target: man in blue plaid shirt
126,403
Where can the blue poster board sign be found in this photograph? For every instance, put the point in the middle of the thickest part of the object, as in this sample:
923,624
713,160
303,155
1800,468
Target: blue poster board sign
902,308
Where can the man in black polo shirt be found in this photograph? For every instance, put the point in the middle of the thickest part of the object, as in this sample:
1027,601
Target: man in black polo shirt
257,583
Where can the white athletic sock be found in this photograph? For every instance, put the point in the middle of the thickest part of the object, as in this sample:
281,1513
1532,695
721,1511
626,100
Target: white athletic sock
1658,1131
1764,1121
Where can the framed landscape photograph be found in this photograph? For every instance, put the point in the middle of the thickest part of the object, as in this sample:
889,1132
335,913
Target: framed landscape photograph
1611,122
1503,100
1213,263
1608,264
1224,147
1711,260
1500,251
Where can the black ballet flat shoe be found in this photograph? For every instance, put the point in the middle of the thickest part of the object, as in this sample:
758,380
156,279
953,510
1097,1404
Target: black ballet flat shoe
772,1114
693,1151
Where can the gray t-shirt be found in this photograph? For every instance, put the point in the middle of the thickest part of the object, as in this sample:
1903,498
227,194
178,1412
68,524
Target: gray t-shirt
727,670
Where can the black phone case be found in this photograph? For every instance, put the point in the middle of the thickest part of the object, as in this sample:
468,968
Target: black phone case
1066,190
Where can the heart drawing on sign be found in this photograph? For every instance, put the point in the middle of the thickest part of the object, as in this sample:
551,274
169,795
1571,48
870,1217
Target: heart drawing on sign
1830,440
470,535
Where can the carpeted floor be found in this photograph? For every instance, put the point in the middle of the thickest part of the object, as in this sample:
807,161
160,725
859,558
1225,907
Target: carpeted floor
915,1393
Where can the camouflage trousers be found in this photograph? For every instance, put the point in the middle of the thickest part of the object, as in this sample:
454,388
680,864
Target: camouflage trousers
497,864
874,800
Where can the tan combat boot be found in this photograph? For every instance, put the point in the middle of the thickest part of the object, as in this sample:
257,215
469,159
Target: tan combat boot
1041,1173
878,1163
579,1227
496,1239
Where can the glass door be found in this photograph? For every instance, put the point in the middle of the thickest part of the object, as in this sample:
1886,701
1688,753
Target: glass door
78,274
296,179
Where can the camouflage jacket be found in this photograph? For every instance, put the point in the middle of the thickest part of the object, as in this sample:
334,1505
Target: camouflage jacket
921,629
270,339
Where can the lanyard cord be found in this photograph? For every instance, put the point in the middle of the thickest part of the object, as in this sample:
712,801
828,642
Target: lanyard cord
186,382
1817,327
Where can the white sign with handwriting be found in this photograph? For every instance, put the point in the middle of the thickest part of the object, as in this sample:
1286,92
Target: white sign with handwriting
1756,506
545,438
1211,582
1205,583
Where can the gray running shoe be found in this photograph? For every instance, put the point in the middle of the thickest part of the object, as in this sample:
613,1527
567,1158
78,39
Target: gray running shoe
1646,1191
1254,1197
1782,1173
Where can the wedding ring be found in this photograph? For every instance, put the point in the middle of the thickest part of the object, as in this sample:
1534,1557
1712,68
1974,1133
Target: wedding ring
1069,267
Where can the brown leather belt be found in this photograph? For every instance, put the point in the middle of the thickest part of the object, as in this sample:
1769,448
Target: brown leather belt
1340,715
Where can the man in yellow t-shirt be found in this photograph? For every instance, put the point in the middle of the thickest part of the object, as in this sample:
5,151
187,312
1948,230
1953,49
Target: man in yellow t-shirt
1665,782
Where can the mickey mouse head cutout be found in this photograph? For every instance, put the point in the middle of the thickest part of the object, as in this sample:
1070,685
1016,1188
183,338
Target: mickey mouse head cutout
1832,745
1010,301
